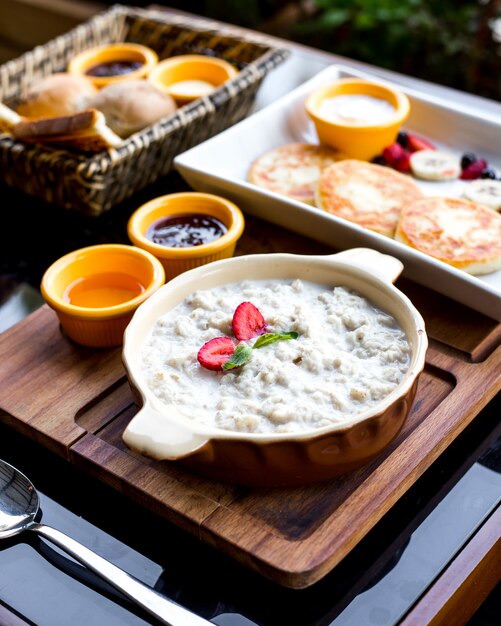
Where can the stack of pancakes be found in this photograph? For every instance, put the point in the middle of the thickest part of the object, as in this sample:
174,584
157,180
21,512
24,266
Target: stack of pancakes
464,234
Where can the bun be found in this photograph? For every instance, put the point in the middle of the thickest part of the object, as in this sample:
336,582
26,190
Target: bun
56,95
132,105
8,118
85,131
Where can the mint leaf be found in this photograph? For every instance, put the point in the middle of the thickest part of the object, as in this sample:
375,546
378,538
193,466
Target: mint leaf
241,356
268,338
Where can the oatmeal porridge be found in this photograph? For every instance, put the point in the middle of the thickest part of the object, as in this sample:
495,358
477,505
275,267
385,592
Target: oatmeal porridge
343,356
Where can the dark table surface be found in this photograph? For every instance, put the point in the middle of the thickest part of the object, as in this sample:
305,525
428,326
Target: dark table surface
378,583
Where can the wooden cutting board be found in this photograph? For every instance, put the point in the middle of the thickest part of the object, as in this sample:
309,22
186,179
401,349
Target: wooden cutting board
76,402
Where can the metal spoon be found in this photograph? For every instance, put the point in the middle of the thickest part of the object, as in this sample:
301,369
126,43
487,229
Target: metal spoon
19,505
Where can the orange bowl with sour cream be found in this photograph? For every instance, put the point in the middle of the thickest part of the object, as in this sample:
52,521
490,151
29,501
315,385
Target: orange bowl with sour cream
191,76
357,117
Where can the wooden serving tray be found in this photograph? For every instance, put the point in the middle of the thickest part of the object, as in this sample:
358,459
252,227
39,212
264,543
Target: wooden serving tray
76,402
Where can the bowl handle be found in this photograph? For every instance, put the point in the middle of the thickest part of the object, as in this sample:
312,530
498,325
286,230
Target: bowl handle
153,434
384,266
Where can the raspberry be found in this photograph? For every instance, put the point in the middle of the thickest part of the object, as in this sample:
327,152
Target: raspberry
474,170
415,143
247,322
216,352
393,153
397,157
403,164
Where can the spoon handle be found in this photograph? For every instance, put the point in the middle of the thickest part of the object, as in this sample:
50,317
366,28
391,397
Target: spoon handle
165,610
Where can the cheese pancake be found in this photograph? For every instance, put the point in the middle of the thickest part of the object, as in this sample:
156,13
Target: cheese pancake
370,195
461,233
293,170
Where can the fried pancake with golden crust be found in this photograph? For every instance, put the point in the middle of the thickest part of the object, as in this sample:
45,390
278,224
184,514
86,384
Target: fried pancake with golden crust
293,170
461,233
370,195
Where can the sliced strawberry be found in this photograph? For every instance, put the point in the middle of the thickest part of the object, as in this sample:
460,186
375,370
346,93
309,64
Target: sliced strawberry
216,352
393,153
415,143
474,170
247,322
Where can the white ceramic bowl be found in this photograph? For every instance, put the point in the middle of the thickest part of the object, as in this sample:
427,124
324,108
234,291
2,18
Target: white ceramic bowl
161,432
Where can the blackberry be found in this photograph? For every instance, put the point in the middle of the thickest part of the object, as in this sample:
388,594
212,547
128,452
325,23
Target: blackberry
379,160
488,173
467,159
403,138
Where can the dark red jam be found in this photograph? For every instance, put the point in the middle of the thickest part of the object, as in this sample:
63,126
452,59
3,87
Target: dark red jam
114,68
185,231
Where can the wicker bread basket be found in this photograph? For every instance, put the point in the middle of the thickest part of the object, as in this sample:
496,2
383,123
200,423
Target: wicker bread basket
93,184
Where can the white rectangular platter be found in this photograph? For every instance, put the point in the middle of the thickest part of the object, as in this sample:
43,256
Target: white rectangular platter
220,165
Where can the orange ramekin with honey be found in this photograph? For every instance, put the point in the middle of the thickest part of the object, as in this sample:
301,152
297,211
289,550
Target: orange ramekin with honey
96,290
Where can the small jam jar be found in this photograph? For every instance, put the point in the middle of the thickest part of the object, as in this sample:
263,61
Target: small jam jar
185,230
115,62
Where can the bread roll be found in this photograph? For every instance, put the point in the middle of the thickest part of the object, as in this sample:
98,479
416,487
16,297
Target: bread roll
56,95
132,105
84,131
8,118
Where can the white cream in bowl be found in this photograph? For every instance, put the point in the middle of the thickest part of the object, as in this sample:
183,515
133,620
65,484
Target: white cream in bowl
356,109
192,88
349,356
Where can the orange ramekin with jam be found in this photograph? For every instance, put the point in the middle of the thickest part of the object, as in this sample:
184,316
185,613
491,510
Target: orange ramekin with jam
114,62
222,218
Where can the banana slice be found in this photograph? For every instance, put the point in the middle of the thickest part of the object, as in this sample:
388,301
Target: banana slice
486,192
435,165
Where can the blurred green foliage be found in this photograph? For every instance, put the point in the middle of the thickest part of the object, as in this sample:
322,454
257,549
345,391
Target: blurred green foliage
451,42
444,41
